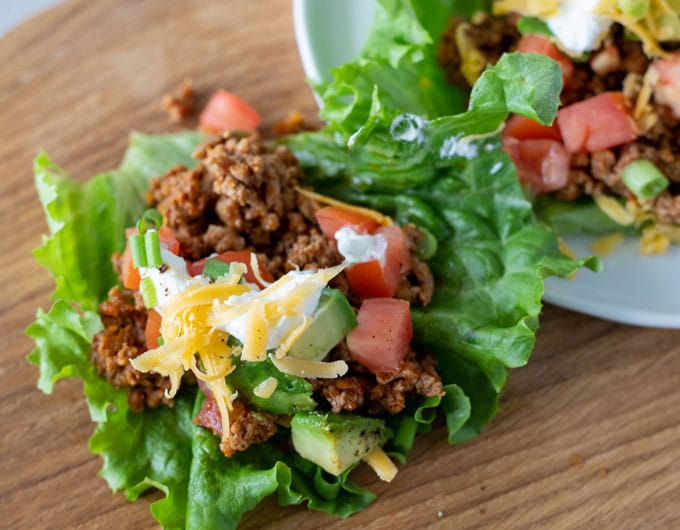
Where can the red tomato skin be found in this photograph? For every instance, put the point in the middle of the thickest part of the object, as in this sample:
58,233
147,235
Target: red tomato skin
333,218
153,329
128,272
383,335
231,256
375,280
396,238
542,163
524,128
596,123
543,45
225,111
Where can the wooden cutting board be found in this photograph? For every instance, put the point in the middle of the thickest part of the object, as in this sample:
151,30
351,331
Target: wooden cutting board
588,435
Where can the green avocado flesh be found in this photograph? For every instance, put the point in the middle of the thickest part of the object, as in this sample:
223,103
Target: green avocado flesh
331,321
336,441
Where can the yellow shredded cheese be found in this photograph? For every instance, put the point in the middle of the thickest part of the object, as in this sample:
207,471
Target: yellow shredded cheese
653,241
314,369
609,9
266,388
614,210
535,8
255,266
473,61
565,249
195,338
368,212
605,246
381,464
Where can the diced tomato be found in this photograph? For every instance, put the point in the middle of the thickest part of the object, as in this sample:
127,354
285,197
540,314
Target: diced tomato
128,272
153,329
225,111
232,256
543,45
524,128
543,164
596,123
396,238
333,218
374,279
381,339
168,239
667,88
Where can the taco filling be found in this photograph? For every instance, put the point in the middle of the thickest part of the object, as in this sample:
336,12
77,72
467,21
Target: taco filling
285,311
615,138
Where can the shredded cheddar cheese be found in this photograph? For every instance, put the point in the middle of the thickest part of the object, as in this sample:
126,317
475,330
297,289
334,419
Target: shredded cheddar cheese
368,212
381,464
605,246
305,368
197,323
473,61
266,388
534,8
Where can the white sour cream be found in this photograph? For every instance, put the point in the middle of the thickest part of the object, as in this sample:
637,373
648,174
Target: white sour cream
577,27
360,248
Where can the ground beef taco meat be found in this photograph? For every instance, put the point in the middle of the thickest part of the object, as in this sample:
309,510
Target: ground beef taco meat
243,195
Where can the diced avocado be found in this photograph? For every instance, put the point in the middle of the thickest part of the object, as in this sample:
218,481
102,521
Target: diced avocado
336,441
332,320
292,393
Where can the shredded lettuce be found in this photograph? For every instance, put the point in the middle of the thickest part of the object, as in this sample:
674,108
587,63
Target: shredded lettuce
397,140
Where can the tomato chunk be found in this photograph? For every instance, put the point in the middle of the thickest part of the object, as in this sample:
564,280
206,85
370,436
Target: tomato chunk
524,128
232,256
153,329
543,164
129,273
333,218
596,123
381,339
396,238
374,279
225,111
543,45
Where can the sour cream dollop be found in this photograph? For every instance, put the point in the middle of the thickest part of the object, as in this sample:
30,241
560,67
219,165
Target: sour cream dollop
360,248
577,27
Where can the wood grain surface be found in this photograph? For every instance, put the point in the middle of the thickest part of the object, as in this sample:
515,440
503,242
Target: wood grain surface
588,434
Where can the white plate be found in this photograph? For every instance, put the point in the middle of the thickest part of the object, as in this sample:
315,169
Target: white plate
632,289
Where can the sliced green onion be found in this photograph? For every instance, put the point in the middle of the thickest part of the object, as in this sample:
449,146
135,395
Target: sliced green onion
152,244
137,251
150,219
160,341
644,179
215,269
634,8
148,292
427,246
